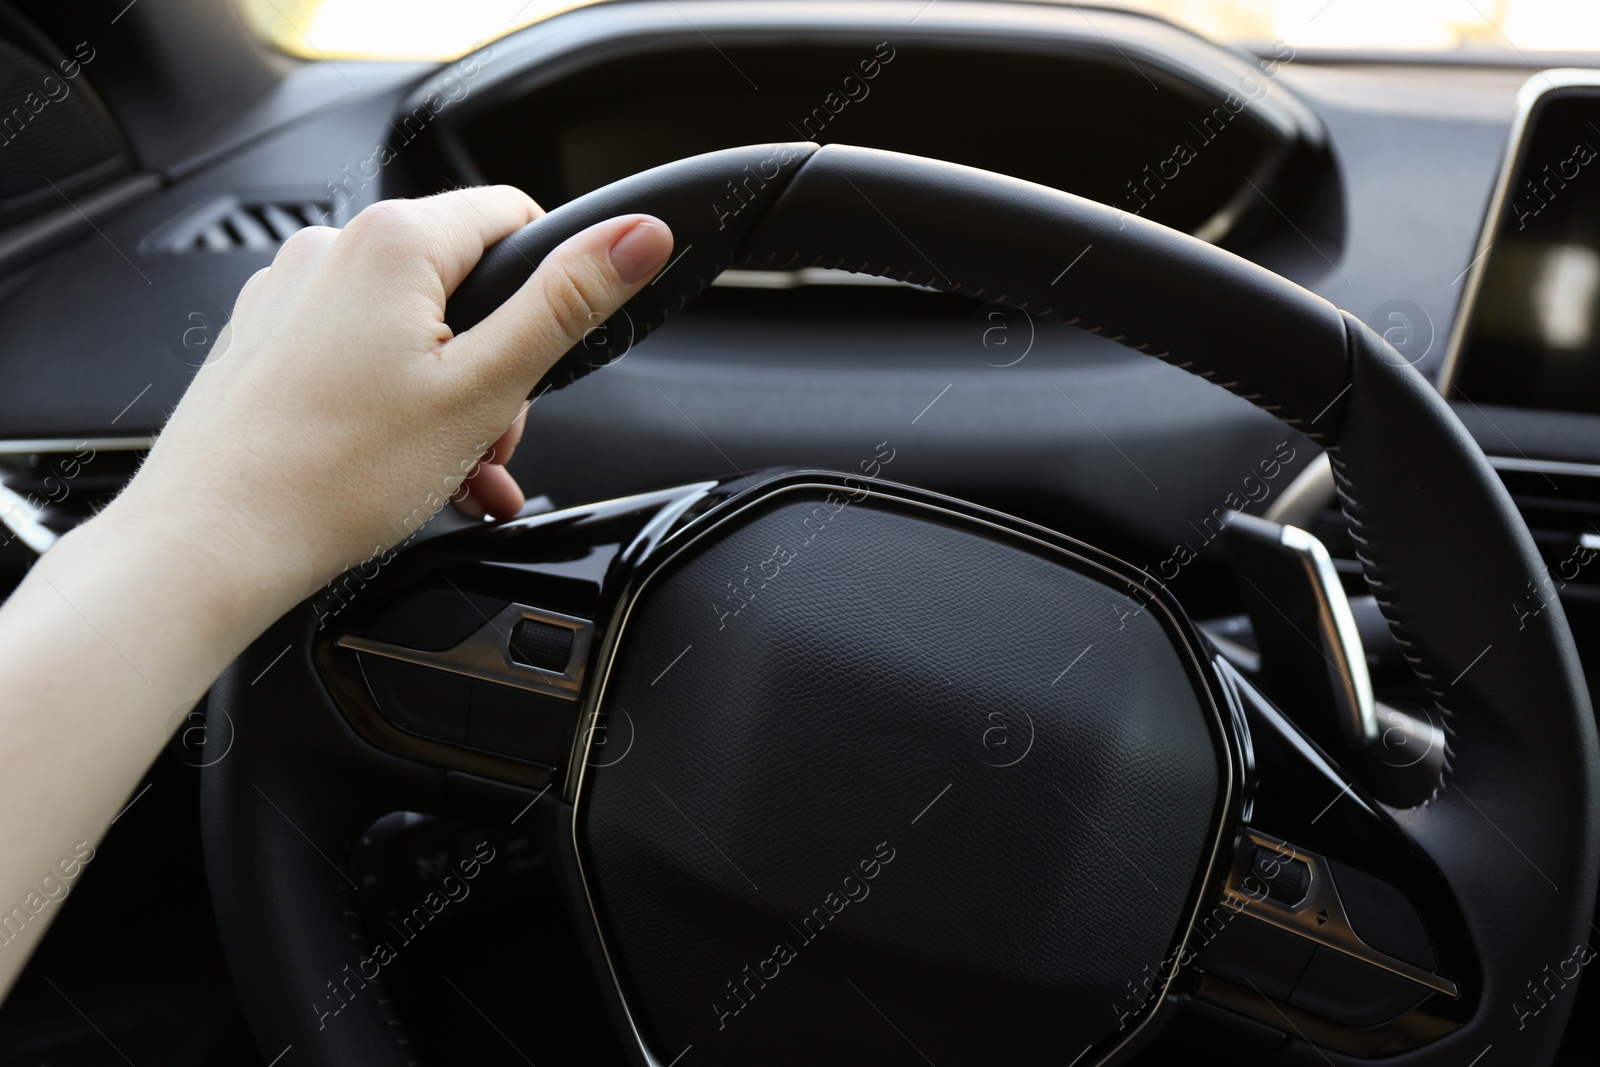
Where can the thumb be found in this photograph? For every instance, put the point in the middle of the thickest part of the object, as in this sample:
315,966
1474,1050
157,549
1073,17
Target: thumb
579,285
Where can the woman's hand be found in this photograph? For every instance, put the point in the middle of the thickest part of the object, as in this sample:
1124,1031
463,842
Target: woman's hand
337,413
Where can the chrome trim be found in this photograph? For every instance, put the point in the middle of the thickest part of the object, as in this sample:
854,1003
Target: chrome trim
1313,489
485,654
1339,634
21,518
26,445
1544,466
1532,91
1320,916
18,516
631,596
1309,493
806,276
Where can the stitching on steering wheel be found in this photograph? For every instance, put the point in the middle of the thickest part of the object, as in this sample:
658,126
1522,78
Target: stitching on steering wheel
380,991
1367,552
887,271
577,366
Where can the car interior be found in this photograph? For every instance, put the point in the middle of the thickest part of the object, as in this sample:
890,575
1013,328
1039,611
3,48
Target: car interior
1085,555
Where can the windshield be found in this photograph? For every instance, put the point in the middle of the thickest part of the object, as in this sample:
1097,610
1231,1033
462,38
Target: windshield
432,29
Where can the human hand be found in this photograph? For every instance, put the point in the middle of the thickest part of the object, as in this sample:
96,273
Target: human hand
338,413
335,416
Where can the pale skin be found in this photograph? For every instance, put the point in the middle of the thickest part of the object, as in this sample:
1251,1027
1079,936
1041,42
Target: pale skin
335,405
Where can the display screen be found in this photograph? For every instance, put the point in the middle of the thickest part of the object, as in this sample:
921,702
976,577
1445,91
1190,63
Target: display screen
1015,112
1533,338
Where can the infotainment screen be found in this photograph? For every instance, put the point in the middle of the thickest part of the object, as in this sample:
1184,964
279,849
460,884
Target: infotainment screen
1532,333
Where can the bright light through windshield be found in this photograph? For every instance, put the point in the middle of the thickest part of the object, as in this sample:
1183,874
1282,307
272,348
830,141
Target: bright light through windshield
446,28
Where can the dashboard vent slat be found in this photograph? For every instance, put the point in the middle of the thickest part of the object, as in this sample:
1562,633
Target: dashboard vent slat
249,230
1561,506
282,220
235,223
214,239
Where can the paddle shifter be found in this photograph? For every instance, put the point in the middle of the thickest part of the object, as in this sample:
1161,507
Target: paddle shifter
1314,666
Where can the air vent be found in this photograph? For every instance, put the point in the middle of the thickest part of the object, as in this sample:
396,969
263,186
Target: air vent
48,487
256,226
1560,502
237,223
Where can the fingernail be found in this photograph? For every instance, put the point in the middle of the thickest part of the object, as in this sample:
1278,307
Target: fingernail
641,249
469,506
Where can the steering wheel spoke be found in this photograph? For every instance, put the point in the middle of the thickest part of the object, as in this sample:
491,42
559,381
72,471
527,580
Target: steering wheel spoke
1332,923
473,653
447,680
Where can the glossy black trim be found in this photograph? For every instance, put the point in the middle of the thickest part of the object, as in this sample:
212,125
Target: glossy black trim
595,561
659,557
1297,794
560,561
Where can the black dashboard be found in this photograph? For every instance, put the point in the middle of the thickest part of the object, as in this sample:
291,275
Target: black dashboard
1364,182
1311,168
1367,182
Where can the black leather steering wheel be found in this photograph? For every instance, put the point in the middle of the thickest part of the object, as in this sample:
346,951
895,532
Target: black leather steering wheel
812,851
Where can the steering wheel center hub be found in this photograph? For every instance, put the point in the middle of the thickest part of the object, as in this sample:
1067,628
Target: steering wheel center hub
996,752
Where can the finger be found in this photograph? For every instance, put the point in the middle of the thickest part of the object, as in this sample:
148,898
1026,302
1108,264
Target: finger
463,500
476,218
500,452
452,228
467,504
492,488
578,286
304,244
251,286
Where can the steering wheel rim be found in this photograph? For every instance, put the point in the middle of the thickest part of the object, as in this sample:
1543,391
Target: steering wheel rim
1441,543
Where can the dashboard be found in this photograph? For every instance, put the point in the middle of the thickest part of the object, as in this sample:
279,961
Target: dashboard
1454,208
1326,172
114,283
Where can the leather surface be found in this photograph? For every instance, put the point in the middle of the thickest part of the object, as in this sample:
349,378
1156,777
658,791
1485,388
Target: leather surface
1515,828
710,201
897,688
280,813
956,228
1012,242
1454,554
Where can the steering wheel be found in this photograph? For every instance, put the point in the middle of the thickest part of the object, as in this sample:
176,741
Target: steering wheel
837,770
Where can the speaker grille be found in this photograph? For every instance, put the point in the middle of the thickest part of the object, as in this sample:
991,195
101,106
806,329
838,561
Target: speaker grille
53,129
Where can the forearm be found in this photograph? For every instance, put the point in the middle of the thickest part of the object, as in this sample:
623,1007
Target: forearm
335,406
104,648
